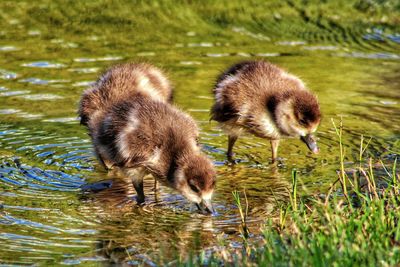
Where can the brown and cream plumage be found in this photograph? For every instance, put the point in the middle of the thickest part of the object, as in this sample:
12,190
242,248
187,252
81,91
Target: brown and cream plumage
133,127
261,98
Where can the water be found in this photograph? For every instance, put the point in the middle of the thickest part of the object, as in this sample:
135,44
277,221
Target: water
57,206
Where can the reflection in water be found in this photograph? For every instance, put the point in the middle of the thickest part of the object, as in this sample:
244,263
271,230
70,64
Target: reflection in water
167,223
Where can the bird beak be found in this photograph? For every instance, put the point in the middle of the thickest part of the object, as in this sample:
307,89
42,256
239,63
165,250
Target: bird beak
311,143
206,206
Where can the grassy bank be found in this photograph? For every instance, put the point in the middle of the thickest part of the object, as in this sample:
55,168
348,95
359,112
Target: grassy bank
355,223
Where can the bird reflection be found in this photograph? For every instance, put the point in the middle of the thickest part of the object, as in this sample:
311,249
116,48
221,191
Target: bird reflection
167,227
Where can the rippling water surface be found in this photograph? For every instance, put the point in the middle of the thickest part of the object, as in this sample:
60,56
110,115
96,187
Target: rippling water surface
57,206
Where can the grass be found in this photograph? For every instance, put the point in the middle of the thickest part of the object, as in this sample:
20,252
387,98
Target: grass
355,224
243,214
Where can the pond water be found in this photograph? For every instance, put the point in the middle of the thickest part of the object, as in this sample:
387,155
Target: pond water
57,206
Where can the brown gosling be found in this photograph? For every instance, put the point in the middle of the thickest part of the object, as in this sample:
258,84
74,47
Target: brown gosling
133,127
261,98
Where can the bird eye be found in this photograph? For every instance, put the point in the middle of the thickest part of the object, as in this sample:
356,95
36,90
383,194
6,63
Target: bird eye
303,122
194,188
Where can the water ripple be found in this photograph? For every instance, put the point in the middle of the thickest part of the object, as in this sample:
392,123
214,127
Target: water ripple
36,178
291,43
321,47
42,81
7,48
14,93
380,35
7,75
244,31
9,111
35,97
44,64
106,58
83,84
381,55
84,70
63,120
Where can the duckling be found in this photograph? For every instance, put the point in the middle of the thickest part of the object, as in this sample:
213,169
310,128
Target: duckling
134,128
116,84
262,99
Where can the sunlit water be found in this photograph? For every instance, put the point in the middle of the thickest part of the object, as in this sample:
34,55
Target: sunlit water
57,206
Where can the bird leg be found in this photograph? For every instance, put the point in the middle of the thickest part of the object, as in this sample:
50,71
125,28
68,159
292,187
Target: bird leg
274,148
231,141
155,189
137,175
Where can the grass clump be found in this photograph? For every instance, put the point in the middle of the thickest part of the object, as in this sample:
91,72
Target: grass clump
334,232
356,225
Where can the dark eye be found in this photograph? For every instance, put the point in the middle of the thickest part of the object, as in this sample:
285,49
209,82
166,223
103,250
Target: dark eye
303,122
194,188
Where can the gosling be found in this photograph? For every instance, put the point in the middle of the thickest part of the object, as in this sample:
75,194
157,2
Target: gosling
117,84
262,99
134,128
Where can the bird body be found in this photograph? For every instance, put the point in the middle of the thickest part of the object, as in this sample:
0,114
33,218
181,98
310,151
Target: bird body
262,99
133,127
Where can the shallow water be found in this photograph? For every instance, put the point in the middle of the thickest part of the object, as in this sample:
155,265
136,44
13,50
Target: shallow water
57,206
